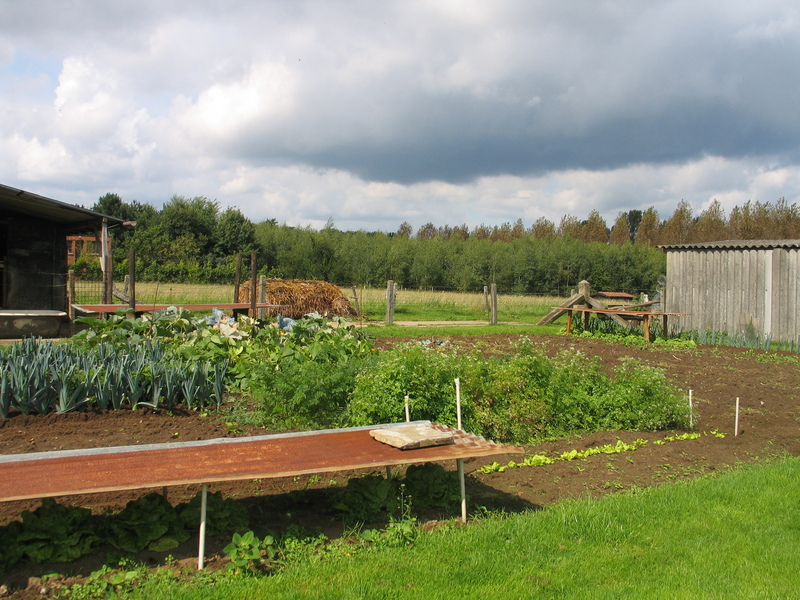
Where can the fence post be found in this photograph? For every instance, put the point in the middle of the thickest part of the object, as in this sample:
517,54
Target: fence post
253,283
71,301
494,304
486,307
237,278
355,298
262,296
585,289
390,300
132,278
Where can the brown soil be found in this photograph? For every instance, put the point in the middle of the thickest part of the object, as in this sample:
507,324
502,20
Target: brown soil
769,424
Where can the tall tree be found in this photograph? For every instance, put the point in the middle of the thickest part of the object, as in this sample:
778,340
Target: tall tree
677,227
634,220
543,229
711,225
594,229
620,231
234,233
648,231
569,226
405,230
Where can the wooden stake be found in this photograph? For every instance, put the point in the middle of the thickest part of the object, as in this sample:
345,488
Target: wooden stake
736,425
408,412
458,403
691,418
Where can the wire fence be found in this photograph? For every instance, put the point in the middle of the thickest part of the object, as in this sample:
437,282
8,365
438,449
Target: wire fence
88,291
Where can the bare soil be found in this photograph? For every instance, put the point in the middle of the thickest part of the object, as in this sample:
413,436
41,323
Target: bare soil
767,385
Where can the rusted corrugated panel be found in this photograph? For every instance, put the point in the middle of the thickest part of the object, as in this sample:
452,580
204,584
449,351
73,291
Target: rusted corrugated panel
62,473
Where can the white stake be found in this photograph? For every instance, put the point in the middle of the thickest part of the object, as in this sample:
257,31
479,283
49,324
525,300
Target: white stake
691,417
458,402
408,412
202,545
736,430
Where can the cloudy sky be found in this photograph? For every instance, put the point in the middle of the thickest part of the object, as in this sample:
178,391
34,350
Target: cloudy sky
374,113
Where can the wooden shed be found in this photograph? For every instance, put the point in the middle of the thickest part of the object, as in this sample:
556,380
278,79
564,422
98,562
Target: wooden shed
742,287
33,259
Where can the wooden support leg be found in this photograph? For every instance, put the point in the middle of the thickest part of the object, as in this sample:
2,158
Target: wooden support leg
569,322
646,327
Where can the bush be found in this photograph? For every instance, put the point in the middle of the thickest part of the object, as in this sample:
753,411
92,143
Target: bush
305,394
426,375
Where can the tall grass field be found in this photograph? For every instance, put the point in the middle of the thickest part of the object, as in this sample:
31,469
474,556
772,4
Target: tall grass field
730,536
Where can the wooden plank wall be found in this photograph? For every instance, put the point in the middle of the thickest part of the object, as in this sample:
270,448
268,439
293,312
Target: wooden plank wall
741,291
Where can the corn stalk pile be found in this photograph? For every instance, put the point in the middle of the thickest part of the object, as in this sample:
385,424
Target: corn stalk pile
298,298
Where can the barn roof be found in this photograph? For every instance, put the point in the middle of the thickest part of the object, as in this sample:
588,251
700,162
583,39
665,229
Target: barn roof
14,202
734,245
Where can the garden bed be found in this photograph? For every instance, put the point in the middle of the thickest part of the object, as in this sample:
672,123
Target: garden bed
766,384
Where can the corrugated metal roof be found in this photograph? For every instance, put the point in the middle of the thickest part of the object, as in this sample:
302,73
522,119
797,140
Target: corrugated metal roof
76,218
734,245
67,472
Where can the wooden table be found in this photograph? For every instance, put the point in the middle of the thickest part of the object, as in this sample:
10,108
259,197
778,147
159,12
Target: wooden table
645,316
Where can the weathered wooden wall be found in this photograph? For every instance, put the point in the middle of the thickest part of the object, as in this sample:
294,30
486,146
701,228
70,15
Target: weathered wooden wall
742,290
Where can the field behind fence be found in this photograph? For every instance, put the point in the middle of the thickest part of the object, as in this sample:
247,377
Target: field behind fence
411,305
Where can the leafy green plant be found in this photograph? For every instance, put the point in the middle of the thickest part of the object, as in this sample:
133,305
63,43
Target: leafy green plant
149,522
222,514
365,497
56,533
249,553
425,374
432,486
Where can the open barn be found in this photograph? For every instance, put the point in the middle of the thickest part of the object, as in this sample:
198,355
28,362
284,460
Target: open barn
33,260
741,287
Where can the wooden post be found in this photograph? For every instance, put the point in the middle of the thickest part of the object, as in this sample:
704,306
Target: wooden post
390,300
585,289
132,278
237,278
106,265
569,322
494,304
646,326
355,299
262,295
253,284
71,300
486,308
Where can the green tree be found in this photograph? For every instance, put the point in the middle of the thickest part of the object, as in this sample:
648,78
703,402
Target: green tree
233,234
647,234
677,227
711,225
620,231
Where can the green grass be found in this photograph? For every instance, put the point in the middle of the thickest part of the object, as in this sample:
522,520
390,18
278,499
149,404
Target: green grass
726,537
183,293
412,305
415,305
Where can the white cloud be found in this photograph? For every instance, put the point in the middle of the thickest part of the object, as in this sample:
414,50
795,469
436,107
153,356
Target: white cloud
375,113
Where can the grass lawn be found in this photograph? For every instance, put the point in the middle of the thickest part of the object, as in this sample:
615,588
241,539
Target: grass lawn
731,536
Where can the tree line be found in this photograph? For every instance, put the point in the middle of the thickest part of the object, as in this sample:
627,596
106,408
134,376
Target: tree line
193,240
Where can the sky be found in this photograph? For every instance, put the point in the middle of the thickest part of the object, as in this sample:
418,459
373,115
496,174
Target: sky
370,114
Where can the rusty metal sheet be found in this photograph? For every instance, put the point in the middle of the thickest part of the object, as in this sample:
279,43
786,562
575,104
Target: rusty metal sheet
67,472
